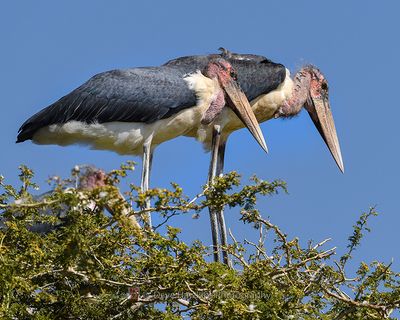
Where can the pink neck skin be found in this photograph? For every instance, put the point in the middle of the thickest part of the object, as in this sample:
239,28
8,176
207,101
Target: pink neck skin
301,89
215,108
214,71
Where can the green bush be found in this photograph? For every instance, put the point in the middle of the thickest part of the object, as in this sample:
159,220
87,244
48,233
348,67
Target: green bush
92,261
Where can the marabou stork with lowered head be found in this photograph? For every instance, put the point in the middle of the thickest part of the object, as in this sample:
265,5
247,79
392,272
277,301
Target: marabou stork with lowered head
272,94
132,111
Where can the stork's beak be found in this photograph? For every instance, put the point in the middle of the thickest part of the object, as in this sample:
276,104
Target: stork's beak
320,113
238,102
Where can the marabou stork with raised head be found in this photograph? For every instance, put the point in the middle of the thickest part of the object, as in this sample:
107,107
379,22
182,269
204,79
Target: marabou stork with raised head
132,111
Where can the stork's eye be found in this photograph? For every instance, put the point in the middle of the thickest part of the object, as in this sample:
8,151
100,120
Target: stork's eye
324,86
233,75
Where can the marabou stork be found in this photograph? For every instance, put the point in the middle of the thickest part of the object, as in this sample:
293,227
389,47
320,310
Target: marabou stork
132,111
272,94
112,97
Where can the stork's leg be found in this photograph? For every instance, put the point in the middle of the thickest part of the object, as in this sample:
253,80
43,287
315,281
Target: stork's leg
211,175
220,213
147,161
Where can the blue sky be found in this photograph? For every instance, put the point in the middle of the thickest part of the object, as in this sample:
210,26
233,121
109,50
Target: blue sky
48,48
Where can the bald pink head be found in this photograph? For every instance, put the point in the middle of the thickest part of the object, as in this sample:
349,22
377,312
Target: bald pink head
311,91
220,69
91,178
223,71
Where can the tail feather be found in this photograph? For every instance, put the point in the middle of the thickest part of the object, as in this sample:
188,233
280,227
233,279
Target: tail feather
26,132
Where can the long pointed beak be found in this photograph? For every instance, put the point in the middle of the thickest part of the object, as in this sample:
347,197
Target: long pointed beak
321,114
238,102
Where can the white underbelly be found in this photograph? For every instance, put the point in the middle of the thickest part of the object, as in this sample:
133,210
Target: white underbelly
121,137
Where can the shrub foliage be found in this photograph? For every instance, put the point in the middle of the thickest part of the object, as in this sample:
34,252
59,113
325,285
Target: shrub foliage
78,253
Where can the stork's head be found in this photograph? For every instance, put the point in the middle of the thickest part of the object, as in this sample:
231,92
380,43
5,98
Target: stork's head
220,69
317,105
91,177
231,95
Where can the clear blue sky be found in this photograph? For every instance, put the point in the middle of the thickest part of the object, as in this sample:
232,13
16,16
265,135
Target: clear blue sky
50,47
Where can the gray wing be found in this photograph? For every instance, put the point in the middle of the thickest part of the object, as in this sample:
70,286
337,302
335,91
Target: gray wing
257,75
132,95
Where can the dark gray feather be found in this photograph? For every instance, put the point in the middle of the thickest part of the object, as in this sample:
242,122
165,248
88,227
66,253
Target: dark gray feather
132,95
257,75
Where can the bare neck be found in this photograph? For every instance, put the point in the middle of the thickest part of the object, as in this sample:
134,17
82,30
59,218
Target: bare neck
301,89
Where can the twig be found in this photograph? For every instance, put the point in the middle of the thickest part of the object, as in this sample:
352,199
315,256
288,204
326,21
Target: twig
166,220
195,294
320,244
233,253
321,255
364,304
260,251
198,196
281,235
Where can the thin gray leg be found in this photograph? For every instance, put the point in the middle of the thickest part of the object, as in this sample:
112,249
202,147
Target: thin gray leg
211,175
147,161
220,213
221,157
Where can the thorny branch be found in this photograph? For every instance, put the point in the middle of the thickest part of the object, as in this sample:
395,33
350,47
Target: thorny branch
88,254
